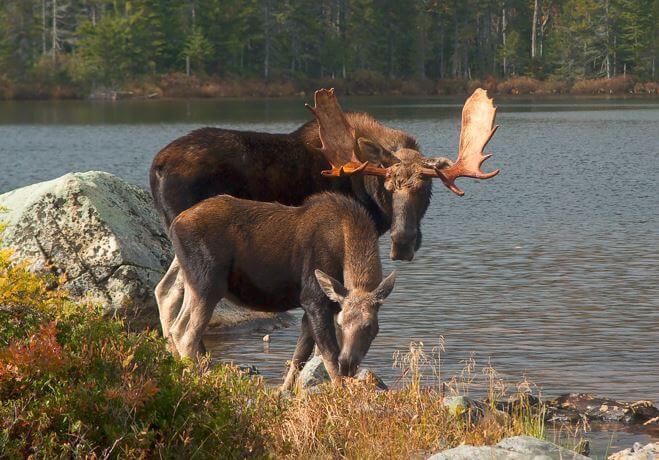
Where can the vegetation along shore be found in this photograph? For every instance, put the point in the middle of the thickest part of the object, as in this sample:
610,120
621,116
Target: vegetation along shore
75,383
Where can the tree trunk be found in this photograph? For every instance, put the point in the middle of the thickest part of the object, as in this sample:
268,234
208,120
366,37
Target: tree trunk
608,39
266,63
442,45
543,25
342,34
43,26
455,71
503,37
54,50
533,27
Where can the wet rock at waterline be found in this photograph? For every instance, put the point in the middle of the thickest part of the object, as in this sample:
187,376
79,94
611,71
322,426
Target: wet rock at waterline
573,407
638,452
102,239
314,373
514,448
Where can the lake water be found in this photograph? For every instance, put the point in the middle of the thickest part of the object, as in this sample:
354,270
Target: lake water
550,271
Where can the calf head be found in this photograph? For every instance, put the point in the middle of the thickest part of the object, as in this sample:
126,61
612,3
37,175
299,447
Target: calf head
357,319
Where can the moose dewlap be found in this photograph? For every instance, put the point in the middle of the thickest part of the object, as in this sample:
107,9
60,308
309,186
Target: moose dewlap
322,257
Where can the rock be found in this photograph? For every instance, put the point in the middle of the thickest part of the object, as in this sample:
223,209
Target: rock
638,452
366,375
249,369
515,448
312,374
464,406
574,407
103,240
533,447
519,402
475,453
97,233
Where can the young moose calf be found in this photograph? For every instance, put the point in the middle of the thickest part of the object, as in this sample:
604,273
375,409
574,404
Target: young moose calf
322,257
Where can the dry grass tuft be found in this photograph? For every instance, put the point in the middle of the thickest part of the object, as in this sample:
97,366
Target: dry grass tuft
350,420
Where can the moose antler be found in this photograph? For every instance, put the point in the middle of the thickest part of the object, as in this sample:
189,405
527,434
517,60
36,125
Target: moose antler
337,137
477,129
339,144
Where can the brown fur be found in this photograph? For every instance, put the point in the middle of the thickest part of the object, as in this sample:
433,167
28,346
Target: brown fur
286,168
264,256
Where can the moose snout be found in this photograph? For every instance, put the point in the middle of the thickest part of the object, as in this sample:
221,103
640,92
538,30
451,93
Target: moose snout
403,245
348,366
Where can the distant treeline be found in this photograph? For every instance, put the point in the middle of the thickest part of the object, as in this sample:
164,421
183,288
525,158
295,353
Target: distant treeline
67,48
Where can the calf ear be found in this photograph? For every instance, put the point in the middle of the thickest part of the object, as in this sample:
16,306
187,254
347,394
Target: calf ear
331,287
386,286
374,153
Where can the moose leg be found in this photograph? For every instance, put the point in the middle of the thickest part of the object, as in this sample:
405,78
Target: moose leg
303,350
321,320
169,296
192,321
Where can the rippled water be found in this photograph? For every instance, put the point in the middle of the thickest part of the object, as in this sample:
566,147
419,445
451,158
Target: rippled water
548,271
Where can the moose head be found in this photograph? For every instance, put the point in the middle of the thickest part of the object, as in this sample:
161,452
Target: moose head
358,319
404,188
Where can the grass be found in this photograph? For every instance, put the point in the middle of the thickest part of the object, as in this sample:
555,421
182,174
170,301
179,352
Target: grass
74,383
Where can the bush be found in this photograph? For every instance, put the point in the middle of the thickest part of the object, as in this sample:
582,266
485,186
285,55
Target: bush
615,85
450,87
367,83
417,87
646,88
75,384
6,87
519,85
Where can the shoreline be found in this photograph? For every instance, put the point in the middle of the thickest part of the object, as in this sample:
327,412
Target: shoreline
305,96
180,86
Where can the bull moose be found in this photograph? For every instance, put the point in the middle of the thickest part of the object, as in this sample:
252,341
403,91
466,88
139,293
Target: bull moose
389,186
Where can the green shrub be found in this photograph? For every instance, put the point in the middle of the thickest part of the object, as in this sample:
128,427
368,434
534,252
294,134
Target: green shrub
75,383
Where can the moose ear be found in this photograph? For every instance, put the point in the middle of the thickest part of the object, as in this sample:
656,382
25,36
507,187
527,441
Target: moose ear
331,287
438,162
374,153
386,286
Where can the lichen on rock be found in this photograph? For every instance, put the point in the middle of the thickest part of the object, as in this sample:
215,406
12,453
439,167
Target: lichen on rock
103,241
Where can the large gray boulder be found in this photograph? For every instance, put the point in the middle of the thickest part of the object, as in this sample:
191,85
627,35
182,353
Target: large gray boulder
102,239
514,448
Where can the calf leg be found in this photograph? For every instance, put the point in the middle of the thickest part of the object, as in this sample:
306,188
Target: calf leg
191,323
303,350
169,296
321,321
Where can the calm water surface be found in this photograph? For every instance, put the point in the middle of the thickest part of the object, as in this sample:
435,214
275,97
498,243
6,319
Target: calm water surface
550,271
